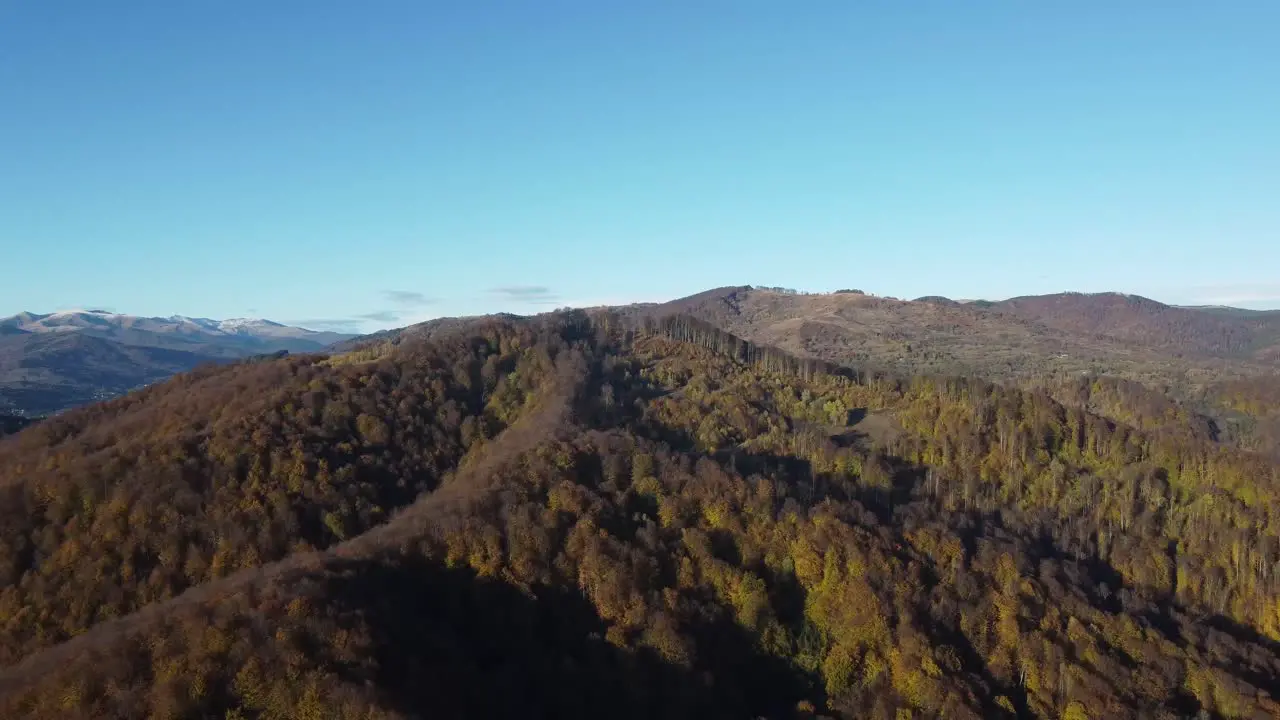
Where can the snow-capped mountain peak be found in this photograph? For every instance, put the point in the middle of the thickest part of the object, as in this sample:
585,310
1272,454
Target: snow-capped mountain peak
249,334
83,355
236,323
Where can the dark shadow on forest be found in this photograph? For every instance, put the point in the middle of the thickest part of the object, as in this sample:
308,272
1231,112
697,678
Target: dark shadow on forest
1263,647
451,645
905,498
797,477
1103,587
10,424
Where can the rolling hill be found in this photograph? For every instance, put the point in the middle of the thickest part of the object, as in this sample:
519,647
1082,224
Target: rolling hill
606,514
999,340
1182,331
1196,359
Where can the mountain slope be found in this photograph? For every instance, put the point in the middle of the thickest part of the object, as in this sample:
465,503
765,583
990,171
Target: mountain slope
45,373
609,517
1013,338
227,479
1185,331
1181,358
419,331
229,338
59,360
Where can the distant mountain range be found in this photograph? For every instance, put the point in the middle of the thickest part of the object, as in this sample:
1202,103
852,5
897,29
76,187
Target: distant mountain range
993,339
50,362
1219,364
59,360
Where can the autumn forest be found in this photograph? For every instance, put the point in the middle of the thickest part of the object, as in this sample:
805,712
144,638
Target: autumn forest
603,514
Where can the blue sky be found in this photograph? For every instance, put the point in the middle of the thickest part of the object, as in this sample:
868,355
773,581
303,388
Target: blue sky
346,164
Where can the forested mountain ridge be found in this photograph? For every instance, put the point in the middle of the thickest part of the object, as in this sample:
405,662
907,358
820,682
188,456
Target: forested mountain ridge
225,468
1017,336
1196,359
421,331
628,518
1183,330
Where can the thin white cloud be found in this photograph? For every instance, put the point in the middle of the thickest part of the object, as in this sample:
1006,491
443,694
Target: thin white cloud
409,298
531,294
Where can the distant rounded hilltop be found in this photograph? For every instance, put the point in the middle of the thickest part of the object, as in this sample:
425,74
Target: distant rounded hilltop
937,300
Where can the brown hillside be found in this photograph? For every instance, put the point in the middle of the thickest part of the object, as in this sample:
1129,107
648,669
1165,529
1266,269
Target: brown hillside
989,341
1182,331
1049,343
629,519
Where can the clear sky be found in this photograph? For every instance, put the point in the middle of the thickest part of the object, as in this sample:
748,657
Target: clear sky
367,164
